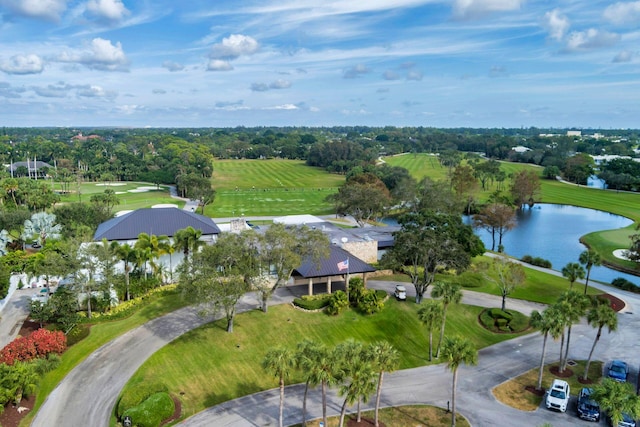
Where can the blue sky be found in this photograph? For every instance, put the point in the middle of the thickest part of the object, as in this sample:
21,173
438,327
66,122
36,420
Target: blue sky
219,63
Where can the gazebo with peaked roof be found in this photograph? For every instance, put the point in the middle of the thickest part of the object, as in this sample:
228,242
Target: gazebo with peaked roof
338,266
156,221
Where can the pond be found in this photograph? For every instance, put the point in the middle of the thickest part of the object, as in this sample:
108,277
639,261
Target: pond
553,232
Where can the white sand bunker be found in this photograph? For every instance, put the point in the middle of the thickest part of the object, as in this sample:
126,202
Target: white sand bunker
121,192
111,184
164,205
142,189
621,254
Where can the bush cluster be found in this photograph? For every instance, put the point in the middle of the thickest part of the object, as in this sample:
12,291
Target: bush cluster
537,261
624,284
148,404
39,343
365,300
496,319
312,302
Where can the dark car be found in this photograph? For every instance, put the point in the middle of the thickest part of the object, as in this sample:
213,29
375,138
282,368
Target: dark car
618,370
627,421
588,409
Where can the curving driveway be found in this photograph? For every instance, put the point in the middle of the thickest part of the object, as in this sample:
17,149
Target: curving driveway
88,394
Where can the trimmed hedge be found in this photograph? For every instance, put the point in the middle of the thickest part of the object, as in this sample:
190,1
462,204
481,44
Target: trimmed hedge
496,320
152,411
624,284
138,394
312,302
537,261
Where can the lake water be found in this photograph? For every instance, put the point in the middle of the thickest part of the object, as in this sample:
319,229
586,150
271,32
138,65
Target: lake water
553,232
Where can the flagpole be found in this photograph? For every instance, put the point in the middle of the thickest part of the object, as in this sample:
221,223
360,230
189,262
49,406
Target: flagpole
347,284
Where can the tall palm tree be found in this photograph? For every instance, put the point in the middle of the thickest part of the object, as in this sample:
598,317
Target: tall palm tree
616,398
187,240
600,316
550,323
574,306
358,374
573,271
431,315
385,358
306,355
153,246
325,371
127,255
280,362
456,351
448,293
589,258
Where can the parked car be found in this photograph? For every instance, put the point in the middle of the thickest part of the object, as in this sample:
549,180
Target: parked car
618,370
35,245
588,409
558,396
627,421
400,293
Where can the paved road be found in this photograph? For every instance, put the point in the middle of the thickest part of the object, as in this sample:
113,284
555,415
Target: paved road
14,313
432,384
88,394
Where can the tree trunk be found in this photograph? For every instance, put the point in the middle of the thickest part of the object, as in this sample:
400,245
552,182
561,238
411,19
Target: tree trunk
593,347
453,398
359,413
430,344
566,350
304,404
343,410
504,301
324,403
561,353
378,394
444,319
280,414
230,324
265,298
586,282
544,349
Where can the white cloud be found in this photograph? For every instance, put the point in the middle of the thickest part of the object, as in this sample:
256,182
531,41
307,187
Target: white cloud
59,90
259,87
283,107
415,75
108,10
173,66
219,65
556,24
590,39
101,55
625,56
390,75
22,64
466,9
356,71
94,91
280,84
623,13
159,91
234,46
39,9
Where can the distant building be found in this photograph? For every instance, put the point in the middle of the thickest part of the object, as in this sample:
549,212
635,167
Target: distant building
520,149
574,133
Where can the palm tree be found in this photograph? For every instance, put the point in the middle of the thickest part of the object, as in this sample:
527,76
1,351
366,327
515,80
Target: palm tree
573,271
187,240
127,255
279,361
574,306
326,372
589,258
307,354
385,358
358,373
600,316
154,246
449,293
431,315
616,398
550,323
456,351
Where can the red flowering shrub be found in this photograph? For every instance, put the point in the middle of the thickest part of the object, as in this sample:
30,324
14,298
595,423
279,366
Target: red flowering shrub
37,344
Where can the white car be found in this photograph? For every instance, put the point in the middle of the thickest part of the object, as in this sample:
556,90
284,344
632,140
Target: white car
558,396
400,293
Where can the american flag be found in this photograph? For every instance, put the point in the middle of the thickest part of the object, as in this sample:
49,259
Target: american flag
343,265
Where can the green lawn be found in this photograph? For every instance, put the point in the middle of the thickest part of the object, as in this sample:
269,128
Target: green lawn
130,199
208,366
270,187
419,165
101,334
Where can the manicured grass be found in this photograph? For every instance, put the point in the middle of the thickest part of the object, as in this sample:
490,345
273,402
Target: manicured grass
208,366
101,334
515,394
419,165
270,187
402,416
128,200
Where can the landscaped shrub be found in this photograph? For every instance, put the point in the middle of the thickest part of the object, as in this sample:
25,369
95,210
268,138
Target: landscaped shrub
152,411
369,302
337,303
134,396
37,344
537,261
497,320
356,291
312,302
624,284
